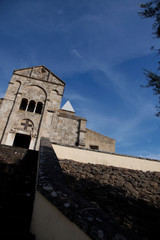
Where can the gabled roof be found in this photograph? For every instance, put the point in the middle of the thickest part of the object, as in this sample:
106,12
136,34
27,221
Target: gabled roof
39,72
68,107
97,133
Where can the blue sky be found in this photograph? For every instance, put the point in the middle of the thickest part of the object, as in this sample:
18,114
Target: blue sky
99,49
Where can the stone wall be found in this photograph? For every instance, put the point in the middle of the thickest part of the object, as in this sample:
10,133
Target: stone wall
10,155
69,187
67,129
39,85
103,143
49,223
105,202
84,155
18,169
132,197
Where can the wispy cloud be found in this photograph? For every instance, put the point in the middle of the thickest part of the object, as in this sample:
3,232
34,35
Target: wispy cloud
109,41
76,53
129,131
75,97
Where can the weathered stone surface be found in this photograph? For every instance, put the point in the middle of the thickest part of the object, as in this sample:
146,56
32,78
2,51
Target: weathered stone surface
73,194
102,142
132,197
10,155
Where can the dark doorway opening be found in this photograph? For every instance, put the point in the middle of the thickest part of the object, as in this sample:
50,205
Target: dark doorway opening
22,140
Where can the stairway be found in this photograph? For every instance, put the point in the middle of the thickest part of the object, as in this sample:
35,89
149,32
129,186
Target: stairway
18,169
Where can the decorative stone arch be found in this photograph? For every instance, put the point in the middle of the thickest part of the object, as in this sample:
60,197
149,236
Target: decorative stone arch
18,81
23,135
34,85
34,92
36,96
16,86
56,91
13,90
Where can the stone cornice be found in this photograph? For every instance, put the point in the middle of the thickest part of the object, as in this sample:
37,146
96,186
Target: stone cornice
38,79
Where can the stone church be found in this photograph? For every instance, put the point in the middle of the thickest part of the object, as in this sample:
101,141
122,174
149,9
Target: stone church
31,109
75,186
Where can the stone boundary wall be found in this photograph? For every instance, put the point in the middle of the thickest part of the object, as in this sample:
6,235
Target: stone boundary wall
106,158
67,208
11,155
103,143
49,223
132,196
52,204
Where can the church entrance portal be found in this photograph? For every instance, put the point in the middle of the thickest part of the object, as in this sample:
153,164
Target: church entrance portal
22,140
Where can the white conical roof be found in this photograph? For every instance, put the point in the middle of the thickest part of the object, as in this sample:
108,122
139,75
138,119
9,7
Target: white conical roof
68,107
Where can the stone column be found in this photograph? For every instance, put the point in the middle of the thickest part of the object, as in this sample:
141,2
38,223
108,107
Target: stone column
33,140
82,132
10,138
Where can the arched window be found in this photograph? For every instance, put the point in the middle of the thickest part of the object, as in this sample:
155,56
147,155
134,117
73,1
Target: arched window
31,106
39,107
23,105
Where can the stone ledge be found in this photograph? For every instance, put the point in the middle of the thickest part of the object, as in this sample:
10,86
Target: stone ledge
112,153
64,115
41,80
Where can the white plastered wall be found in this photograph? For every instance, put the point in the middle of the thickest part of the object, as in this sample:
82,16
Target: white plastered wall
108,159
49,223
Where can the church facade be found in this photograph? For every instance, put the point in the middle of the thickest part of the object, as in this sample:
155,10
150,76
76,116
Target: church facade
31,109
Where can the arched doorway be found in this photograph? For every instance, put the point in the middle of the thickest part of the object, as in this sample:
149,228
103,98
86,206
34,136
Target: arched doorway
22,140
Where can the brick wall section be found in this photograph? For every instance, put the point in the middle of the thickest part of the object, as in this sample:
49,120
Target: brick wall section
132,197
